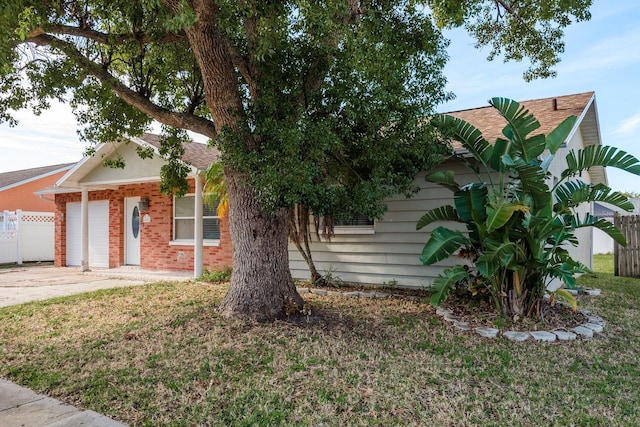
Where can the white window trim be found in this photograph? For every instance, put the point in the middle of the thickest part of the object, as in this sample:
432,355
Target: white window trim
189,242
347,229
355,229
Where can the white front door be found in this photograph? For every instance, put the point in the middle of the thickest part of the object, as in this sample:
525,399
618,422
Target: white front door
132,231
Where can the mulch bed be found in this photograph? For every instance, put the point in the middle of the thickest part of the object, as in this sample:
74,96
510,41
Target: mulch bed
481,311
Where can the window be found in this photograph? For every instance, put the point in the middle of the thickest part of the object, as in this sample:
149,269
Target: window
359,224
184,220
356,221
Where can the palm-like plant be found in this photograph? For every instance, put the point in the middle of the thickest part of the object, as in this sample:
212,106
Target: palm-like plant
518,225
215,189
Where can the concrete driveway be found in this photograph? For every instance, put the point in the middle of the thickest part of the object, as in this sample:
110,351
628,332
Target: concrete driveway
19,285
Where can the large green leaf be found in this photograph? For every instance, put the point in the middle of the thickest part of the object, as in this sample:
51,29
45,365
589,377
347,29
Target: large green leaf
444,178
501,148
471,202
446,282
443,213
534,147
533,182
573,193
604,225
470,136
496,256
521,124
442,244
598,155
500,213
559,135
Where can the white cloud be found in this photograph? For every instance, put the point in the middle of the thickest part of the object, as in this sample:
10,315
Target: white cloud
629,126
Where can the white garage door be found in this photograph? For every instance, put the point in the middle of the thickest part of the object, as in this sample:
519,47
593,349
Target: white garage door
98,234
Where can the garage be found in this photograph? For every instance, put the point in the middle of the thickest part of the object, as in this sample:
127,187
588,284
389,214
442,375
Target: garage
98,234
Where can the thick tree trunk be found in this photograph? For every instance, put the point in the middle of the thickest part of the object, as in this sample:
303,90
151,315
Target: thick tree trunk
261,285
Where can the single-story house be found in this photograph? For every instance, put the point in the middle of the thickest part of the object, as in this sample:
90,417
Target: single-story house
108,217
17,188
387,250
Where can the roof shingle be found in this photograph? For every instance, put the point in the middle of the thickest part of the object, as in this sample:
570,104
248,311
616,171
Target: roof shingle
14,177
550,112
195,153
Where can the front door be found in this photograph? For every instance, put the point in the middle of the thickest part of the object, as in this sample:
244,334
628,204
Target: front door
132,231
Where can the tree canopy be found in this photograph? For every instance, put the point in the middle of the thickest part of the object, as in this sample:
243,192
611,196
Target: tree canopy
330,118
319,103
516,30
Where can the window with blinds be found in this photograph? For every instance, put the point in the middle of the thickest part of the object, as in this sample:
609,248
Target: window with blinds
184,219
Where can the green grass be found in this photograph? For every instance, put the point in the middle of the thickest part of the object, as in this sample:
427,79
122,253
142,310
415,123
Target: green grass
160,355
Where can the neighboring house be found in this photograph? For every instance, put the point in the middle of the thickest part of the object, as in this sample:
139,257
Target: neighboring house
26,219
17,188
107,217
387,250
602,242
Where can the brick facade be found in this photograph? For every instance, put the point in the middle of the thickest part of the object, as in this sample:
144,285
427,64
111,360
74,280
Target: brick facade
156,250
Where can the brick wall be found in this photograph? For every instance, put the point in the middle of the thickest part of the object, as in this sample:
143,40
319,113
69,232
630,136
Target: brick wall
156,252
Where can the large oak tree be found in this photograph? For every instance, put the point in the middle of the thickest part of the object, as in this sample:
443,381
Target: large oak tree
315,103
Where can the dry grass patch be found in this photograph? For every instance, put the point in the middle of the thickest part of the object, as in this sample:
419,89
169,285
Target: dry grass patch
160,355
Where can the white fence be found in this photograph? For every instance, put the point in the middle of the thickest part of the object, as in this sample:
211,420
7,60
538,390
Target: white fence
26,236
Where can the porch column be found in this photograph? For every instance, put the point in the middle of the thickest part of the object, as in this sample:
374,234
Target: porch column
198,230
84,230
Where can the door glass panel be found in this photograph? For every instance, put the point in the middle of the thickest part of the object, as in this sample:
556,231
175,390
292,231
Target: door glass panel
135,222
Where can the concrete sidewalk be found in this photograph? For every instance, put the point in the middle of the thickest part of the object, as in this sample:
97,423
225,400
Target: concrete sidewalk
21,407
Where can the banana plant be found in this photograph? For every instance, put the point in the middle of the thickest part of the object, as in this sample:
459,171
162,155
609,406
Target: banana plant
518,225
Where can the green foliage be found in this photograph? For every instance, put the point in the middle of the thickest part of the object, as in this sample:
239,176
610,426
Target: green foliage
320,83
444,284
215,189
516,30
518,227
216,275
174,173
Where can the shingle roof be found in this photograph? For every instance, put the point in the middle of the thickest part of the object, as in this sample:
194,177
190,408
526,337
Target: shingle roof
550,112
14,177
196,154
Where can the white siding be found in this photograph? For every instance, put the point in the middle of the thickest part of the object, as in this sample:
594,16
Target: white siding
135,168
392,253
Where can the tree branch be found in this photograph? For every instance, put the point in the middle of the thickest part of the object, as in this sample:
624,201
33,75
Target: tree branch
170,118
106,38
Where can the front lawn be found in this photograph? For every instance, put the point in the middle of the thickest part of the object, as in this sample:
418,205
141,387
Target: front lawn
160,355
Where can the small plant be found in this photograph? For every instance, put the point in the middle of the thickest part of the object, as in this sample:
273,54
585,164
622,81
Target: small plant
393,283
332,280
216,276
306,311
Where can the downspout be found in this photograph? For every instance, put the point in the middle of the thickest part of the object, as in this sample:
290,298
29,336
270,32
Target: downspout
198,241
84,230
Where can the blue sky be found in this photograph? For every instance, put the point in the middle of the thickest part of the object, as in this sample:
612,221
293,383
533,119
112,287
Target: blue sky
601,55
